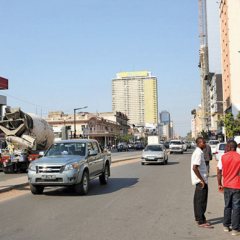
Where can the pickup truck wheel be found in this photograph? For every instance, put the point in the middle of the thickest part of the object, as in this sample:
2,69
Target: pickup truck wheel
82,187
105,175
9,169
36,189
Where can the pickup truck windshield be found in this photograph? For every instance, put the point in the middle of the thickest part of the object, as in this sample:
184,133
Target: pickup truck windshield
175,143
213,142
154,148
67,149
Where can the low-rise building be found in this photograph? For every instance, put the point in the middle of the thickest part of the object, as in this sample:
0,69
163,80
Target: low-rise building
104,127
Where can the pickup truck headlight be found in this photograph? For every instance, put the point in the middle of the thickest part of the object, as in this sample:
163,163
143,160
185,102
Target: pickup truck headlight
70,166
32,167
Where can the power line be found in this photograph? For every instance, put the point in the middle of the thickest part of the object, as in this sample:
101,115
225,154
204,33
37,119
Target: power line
28,102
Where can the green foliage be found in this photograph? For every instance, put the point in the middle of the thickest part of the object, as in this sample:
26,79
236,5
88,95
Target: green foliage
125,138
205,134
135,130
189,136
232,125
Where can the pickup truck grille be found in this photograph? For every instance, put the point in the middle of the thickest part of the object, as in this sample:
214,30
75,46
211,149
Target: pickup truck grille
49,180
49,169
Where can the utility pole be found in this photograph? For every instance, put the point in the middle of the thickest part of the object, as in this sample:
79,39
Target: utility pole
75,133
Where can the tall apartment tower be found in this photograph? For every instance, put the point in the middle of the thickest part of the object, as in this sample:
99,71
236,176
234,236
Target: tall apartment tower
230,46
166,120
135,94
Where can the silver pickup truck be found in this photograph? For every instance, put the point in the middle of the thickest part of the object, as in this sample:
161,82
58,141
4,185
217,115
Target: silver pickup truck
70,163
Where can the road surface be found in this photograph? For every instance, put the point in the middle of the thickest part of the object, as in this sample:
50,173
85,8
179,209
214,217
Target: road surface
140,202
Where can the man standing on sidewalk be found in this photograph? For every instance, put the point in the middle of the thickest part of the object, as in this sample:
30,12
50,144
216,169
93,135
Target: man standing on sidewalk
199,178
229,168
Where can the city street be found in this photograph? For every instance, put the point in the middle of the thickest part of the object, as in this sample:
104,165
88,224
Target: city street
139,202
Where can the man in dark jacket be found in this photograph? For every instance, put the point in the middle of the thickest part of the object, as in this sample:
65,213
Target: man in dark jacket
207,156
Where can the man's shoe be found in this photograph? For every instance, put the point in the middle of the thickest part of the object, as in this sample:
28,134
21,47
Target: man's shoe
235,233
226,229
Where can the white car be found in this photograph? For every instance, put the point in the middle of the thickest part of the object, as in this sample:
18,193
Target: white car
176,146
220,150
154,153
213,144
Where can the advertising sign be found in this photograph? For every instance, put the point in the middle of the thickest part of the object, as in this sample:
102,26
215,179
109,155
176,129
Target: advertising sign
134,74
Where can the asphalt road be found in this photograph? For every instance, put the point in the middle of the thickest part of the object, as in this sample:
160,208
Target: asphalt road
139,202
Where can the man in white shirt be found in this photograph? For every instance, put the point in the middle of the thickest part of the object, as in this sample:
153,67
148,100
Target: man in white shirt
199,175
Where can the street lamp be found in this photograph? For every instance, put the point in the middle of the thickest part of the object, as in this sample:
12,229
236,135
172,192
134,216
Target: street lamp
75,119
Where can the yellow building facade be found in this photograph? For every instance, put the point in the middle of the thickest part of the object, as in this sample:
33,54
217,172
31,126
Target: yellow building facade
135,94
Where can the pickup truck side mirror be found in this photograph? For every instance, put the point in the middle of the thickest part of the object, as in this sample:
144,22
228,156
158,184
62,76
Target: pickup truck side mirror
41,154
93,153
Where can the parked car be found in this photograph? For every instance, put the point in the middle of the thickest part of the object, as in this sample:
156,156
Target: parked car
130,146
156,153
176,146
220,150
185,146
139,146
122,147
70,163
189,144
166,145
213,144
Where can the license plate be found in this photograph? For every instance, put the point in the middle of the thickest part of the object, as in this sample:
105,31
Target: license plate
48,177
151,158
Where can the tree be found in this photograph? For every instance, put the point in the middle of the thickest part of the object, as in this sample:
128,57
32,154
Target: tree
189,136
205,134
232,125
125,138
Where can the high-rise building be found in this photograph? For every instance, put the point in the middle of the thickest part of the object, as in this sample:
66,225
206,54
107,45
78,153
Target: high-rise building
230,50
210,63
135,94
165,117
171,133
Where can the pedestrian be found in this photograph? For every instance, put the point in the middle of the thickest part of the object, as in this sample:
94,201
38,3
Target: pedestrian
229,169
207,156
199,179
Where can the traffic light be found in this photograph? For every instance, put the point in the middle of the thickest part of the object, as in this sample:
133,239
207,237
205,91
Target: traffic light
193,112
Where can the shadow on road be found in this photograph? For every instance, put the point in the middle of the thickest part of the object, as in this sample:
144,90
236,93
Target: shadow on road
159,164
215,221
95,188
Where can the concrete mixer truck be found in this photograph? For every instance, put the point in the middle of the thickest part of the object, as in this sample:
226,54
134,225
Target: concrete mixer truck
26,135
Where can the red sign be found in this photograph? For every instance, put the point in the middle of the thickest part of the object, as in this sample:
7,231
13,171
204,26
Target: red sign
3,83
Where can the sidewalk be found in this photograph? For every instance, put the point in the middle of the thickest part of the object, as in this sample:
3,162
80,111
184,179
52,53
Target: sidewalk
23,181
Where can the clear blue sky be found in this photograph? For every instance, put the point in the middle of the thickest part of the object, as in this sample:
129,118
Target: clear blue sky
62,54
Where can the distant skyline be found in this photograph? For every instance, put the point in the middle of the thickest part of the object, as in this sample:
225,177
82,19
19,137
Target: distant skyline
61,55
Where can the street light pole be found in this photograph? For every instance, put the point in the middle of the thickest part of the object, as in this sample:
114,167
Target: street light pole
75,119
